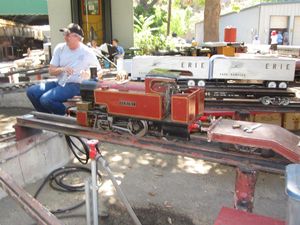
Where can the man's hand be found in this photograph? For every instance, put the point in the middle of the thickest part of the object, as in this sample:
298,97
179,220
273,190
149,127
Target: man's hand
68,70
57,70
100,75
85,75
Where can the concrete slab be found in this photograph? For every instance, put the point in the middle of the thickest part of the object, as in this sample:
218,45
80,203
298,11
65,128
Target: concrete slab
163,189
15,99
8,117
34,158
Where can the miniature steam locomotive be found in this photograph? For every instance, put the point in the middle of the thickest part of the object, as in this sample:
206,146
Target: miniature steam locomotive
155,106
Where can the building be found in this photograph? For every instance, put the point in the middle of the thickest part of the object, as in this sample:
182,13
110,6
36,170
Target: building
102,20
260,20
19,27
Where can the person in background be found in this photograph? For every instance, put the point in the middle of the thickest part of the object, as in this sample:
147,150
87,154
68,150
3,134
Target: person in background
120,50
285,38
273,47
70,64
256,40
256,44
279,38
94,44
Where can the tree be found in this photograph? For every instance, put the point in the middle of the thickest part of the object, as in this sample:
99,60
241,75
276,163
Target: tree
211,20
169,17
146,4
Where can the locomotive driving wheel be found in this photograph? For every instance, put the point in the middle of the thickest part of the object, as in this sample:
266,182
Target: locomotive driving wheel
138,127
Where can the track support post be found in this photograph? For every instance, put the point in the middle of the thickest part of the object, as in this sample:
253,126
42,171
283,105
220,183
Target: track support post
244,188
93,153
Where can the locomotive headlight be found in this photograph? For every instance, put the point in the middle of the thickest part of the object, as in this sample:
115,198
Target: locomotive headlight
201,83
191,83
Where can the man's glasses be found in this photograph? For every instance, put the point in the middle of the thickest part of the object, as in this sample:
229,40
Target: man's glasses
71,35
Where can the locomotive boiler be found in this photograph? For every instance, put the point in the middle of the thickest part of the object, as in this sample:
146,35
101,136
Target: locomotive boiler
155,107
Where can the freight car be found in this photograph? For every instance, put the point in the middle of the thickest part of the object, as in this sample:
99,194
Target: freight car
159,108
271,72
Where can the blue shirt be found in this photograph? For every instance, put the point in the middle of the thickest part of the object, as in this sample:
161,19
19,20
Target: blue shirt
79,59
120,50
279,38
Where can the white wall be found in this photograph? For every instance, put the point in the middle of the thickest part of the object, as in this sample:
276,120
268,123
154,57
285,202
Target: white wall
256,20
122,21
288,9
246,28
199,34
296,31
59,16
246,22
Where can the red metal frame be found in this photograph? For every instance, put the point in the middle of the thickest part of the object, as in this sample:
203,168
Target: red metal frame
31,206
244,188
228,216
267,136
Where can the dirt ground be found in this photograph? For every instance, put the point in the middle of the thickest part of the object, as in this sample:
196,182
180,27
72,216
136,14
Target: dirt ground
163,189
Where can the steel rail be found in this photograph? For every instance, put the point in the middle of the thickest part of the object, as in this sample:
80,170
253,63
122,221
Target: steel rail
253,105
40,69
7,136
35,209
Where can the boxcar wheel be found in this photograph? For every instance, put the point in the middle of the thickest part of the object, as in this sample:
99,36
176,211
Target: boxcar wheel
266,100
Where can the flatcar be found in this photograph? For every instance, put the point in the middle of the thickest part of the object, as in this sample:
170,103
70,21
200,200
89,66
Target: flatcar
159,107
269,71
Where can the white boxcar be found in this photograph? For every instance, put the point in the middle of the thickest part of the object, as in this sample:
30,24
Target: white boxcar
288,50
197,66
274,70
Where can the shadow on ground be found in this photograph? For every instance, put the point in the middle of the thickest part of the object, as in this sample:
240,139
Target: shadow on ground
153,215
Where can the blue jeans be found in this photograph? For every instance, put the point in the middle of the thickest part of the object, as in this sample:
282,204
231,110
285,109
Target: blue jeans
49,97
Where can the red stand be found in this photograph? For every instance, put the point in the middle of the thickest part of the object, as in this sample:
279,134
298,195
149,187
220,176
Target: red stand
244,189
228,216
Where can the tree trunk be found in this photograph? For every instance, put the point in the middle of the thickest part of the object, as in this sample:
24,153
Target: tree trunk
169,17
211,20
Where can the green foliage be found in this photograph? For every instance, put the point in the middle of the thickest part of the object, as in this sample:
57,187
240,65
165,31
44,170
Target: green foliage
160,16
195,4
178,24
235,8
150,25
145,39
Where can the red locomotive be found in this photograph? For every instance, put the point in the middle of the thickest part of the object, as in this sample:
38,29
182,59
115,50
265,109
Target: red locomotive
156,105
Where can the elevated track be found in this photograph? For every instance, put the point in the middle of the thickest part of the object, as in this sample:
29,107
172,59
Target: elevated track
197,147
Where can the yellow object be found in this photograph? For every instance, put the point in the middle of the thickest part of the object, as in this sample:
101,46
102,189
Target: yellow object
270,118
292,121
289,121
84,106
226,50
92,21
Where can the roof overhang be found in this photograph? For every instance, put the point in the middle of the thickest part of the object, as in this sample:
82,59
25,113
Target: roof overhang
31,12
29,20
